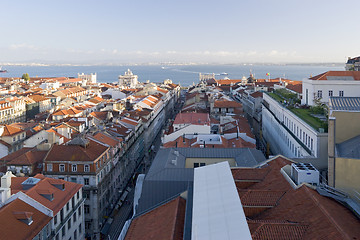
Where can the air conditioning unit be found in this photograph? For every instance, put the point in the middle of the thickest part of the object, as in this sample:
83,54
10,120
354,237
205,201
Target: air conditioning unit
304,173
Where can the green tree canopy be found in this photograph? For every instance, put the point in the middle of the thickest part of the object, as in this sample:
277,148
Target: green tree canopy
26,77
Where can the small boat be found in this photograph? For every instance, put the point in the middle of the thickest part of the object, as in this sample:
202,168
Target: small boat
2,70
224,73
162,67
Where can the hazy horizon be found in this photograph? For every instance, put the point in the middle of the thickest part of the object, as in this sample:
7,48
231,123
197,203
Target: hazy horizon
202,32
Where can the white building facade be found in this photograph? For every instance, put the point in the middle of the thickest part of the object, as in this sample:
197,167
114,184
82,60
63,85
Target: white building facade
128,80
289,135
330,84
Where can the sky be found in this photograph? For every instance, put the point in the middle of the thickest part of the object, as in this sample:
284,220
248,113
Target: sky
198,31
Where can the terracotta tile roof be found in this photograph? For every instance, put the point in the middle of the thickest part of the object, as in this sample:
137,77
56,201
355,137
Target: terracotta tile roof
227,104
225,88
119,130
38,98
129,121
25,157
164,222
13,228
69,80
228,81
260,197
104,138
192,118
257,94
65,153
45,186
275,230
15,154
10,130
162,90
249,173
324,216
99,115
323,76
96,100
296,88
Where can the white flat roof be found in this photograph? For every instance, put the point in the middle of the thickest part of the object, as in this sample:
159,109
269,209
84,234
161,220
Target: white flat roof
217,210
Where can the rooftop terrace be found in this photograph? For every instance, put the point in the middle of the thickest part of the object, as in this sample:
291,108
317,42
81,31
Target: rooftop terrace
314,116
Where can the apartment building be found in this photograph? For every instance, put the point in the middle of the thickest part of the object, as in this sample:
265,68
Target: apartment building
330,84
290,135
344,140
50,208
11,139
88,162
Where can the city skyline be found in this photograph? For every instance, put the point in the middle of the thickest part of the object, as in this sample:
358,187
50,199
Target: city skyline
90,32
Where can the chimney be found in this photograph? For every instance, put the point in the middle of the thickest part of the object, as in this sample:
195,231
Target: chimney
2,130
5,191
6,179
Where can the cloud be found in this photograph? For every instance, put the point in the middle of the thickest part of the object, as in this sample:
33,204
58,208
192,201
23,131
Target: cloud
22,46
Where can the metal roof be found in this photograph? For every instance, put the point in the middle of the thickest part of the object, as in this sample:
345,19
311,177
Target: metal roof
168,176
217,209
345,104
349,148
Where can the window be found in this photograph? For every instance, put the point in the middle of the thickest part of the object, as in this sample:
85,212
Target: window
62,167
69,223
86,209
77,195
75,234
63,231
14,139
74,217
86,194
330,93
55,219
79,211
61,214
341,93
49,167
196,165
67,206
73,179
311,144
74,167
87,225
86,181
202,164
80,228
319,93
86,168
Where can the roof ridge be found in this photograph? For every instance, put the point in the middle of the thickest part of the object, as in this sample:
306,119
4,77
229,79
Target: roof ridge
176,210
325,212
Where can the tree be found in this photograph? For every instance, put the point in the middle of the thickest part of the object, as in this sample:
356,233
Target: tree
26,77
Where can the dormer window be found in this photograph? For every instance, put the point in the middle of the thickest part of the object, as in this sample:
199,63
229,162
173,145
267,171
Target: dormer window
86,168
62,167
74,167
49,195
25,217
